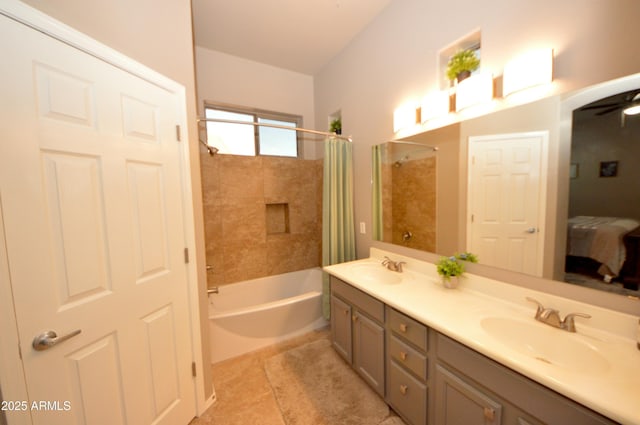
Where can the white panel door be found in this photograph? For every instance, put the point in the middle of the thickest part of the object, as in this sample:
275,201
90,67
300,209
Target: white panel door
506,202
91,193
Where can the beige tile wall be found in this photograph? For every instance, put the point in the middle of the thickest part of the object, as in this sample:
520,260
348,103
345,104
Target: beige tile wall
236,190
414,203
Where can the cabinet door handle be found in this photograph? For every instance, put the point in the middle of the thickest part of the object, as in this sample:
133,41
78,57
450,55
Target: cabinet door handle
403,389
354,318
489,414
403,355
403,327
346,311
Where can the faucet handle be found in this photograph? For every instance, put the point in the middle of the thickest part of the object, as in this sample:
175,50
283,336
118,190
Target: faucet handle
399,266
569,324
540,307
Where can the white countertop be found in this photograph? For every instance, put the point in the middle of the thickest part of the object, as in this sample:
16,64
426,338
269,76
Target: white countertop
610,387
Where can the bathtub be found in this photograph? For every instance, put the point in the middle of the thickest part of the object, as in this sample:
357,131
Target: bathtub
249,315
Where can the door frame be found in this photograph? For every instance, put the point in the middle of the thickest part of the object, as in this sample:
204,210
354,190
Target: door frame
542,195
11,367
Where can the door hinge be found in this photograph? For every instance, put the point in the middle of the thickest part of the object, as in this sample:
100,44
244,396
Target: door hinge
186,255
178,133
193,369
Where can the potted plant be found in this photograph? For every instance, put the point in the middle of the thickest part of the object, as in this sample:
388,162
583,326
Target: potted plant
336,126
452,267
461,64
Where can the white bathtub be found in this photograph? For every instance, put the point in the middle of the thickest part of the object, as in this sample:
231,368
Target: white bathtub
249,315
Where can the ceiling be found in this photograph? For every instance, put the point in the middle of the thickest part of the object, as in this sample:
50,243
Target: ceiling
299,35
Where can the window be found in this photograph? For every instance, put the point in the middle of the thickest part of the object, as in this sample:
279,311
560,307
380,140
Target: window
250,140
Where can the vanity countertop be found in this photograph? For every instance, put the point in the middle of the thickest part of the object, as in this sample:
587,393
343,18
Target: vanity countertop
605,377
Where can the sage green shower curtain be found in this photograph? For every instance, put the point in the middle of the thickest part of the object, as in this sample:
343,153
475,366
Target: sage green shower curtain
338,232
376,192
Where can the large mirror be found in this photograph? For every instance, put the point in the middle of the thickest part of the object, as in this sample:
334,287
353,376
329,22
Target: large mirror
549,188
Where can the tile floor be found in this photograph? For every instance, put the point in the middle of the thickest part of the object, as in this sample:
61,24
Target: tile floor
243,393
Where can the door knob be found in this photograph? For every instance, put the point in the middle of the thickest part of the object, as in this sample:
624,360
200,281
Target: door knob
48,339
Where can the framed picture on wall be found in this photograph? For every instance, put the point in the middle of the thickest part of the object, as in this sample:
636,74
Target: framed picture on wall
608,168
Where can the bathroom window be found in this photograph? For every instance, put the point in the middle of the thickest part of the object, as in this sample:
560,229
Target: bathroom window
250,140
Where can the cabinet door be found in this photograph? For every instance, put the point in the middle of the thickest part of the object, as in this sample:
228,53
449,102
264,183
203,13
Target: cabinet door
368,351
341,328
407,395
460,403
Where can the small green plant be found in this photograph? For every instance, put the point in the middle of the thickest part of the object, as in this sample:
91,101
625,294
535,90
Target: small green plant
453,266
463,60
448,267
336,126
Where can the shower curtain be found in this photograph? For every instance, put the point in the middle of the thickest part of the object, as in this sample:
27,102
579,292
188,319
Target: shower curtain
376,190
338,232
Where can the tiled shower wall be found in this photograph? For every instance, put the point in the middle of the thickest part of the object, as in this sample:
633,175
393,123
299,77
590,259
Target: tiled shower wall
409,203
263,215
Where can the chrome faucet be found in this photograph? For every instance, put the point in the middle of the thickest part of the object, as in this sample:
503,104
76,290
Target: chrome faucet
551,317
394,266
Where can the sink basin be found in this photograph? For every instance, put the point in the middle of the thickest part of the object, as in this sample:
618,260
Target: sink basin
376,273
546,344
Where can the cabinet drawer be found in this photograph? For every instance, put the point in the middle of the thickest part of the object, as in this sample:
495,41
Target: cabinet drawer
407,395
409,329
410,358
363,302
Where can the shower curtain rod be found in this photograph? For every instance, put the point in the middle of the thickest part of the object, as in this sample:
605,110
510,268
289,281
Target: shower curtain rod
284,127
406,142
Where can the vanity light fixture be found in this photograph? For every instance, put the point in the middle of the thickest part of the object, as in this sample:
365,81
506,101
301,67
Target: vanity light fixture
405,116
528,70
475,90
435,105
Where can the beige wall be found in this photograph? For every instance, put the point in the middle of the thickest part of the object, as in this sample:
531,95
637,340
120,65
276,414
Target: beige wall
224,78
156,33
605,139
395,60
263,215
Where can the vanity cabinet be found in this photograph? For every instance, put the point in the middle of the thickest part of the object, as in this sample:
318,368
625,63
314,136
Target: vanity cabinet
357,331
429,378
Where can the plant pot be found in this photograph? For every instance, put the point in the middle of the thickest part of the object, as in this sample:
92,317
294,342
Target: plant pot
450,283
463,75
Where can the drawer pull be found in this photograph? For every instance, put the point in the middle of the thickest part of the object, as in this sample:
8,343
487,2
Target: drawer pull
403,389
489,414
403,355
403,327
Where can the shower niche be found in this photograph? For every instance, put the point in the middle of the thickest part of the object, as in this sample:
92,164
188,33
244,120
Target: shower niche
277,216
